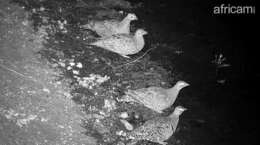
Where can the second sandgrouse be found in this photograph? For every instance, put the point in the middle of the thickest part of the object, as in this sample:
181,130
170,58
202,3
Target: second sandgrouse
158,129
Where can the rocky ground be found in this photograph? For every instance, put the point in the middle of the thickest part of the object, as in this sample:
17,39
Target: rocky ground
55,89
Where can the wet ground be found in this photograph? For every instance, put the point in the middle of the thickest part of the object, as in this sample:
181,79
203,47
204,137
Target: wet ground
185,37
227,110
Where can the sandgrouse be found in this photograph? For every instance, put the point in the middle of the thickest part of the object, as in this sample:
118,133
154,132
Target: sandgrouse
109,27
123,44
155,98
158,129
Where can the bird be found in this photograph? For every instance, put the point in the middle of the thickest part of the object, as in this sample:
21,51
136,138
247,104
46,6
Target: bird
123,44
155,98
109,27
157,130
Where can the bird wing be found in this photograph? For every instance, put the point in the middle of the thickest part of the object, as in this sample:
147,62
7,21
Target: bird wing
99,28
119,43
163,127
158,95
122,43
150,97
116,23
153,130
102,28
115,27
111,23
158,91
140,94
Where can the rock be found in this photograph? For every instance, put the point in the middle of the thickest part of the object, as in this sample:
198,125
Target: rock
124,115
127,125
109,105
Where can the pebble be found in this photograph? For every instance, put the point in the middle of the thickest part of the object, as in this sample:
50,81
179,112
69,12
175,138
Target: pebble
62,64
124,115
69,68
120,133
75,72
79,65
127,125
72,63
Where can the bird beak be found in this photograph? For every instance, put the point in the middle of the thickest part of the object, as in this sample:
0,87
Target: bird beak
181,84
187,85
184,109
184,84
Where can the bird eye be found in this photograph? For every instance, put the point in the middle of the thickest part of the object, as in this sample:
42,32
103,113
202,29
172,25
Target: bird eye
132,17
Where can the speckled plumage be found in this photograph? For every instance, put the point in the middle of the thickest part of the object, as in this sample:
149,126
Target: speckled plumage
158,129
123,44
155,98
110,27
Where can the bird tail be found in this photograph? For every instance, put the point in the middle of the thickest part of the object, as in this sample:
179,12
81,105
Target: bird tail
89,25
86,26
125,98
92,42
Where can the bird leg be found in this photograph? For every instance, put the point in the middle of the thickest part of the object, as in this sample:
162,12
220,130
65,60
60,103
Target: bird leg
162,142
125,56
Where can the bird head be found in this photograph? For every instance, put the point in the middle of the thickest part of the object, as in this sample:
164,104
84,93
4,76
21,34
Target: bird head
140,32
181,84
179,110
131,16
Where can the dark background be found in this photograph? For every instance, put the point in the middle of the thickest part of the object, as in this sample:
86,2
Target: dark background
233,104
232,34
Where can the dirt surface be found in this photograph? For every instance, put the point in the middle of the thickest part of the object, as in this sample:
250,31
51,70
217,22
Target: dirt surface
42,78
55,89
35,108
